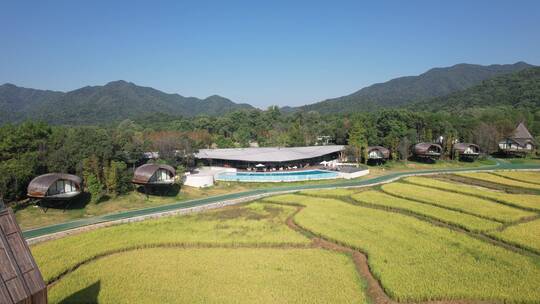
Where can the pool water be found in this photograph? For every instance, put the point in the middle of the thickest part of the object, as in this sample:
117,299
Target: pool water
278,176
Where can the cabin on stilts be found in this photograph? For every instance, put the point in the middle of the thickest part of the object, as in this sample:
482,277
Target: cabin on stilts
378,154
519,143
54,188
427,151
20,279
466,151
154,176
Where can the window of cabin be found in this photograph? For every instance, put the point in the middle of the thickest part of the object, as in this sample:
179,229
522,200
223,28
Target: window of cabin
61,186
162,175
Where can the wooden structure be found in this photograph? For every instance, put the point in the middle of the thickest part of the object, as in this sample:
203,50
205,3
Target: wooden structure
519,143
466,151
378,154
20,279
427,151
152,176
53,188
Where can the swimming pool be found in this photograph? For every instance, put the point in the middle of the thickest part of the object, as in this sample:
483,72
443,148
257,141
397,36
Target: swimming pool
294,176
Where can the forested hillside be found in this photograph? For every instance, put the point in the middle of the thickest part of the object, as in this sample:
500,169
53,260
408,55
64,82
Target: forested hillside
400,91
520,89
112,102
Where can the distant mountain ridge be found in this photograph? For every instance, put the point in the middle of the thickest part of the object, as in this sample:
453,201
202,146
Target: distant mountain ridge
117,100
400,91
519,89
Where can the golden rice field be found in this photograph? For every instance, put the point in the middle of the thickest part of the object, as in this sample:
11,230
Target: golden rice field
532,177
525,234
466,221
216,275
497,179
526,201
456,201
426,239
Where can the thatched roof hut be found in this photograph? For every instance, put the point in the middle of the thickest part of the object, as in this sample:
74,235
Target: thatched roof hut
466,150
520,142
427,150
154,174
20,279
56,186
378,153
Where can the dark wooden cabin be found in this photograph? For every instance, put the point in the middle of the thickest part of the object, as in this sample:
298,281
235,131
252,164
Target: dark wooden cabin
20,279
153,175
519,143
427,151
466,151
378,154
55,186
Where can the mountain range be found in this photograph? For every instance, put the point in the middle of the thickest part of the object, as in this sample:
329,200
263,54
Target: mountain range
403,90
114,101
120,100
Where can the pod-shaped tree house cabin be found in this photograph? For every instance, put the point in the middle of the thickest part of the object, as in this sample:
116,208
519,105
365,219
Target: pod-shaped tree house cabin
55,186
378,153
154,174
466,151
427,151
20,279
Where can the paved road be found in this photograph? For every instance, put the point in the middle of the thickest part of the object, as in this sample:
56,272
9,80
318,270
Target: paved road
33,233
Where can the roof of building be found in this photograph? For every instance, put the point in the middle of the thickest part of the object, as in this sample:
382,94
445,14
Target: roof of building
268,154
521,132
143,173
38,186
20,280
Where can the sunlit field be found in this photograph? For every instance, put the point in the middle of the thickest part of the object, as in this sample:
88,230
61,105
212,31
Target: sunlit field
425,238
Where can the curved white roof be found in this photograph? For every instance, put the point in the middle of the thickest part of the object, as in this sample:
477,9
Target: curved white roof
268,154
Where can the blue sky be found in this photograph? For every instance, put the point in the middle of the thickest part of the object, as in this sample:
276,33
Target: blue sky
259,52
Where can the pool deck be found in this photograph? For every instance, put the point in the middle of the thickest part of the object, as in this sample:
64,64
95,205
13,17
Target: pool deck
61,229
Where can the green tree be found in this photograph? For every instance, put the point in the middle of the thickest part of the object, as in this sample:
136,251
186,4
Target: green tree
95,188
358,142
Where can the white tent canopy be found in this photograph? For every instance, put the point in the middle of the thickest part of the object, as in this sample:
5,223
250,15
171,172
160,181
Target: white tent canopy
268,154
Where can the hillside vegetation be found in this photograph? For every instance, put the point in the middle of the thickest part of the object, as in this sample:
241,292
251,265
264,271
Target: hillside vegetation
520,89
401,91
113,102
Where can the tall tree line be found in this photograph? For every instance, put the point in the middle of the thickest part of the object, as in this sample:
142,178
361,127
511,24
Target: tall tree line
106,155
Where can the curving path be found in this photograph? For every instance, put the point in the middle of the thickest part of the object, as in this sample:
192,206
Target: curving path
220,200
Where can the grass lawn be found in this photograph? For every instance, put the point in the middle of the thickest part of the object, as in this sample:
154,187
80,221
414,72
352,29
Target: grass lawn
456,201
215,275
527,201
469,222
416,261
